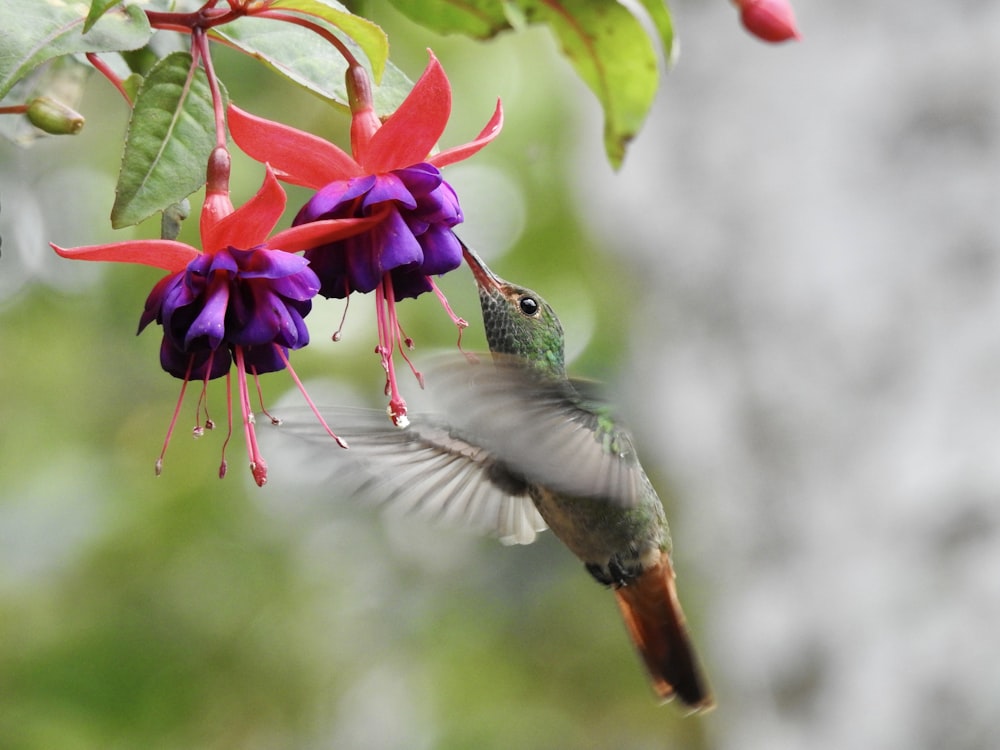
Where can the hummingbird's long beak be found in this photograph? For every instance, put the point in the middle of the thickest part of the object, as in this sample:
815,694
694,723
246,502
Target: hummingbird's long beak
485,278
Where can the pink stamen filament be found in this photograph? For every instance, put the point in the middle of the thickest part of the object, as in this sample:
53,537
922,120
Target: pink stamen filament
386,306
202,405
343,318
260,396
223,463
460,323
158,466
257,465
405,342
302,389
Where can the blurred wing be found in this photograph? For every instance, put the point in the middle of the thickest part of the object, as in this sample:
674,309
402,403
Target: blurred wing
427,469
544,427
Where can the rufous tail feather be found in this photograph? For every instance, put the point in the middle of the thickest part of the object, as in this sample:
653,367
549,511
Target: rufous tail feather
655,621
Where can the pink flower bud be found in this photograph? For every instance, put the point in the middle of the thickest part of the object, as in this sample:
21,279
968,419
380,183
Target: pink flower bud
770,20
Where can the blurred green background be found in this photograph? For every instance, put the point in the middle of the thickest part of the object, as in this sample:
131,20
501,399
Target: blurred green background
189,612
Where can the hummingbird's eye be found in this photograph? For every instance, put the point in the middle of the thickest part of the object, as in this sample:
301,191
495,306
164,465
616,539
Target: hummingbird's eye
528,305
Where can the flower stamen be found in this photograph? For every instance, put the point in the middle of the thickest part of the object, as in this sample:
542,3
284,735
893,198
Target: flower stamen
257,465
385,307
404,341
223,463
158,466
460,323
260,397
202,405
305,394
335,337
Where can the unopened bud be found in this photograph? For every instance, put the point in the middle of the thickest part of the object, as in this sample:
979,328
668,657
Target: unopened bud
770,20
54,117
217,203
217,172
364,121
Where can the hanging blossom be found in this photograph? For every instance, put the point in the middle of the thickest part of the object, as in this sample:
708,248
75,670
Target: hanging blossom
240,299
770,20
390,177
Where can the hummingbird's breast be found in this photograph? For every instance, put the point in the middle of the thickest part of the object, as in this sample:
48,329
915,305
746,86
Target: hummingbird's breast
599,531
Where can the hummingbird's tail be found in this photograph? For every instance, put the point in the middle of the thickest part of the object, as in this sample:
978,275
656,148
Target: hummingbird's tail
655,621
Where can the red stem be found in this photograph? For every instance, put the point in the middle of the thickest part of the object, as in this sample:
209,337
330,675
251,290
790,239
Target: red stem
104,70
314,27
200,43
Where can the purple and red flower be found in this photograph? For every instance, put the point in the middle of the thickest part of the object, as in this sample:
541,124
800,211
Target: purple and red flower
392,179
241,298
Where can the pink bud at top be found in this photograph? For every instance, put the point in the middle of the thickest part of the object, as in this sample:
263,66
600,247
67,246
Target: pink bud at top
770,20
364,121
217,203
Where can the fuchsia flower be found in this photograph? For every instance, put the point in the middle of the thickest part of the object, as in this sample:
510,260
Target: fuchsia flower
770,20
241,298
391,178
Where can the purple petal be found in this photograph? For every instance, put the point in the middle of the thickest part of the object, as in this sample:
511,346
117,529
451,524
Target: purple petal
211,320
329,201
442,251
154,301
399,246
409,282
264,358
364,272
303,286
272,321
420,179
389,188
226,261
440,206
328,263
270,264
175,361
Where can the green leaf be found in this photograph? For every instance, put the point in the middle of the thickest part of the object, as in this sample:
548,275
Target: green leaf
308,60
32,32
368,36
170,137
613,55
479,19
97,9
660,16
131,85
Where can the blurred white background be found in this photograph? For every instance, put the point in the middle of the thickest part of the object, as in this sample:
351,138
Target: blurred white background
815,239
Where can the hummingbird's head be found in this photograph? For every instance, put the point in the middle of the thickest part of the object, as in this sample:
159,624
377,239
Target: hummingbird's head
518,322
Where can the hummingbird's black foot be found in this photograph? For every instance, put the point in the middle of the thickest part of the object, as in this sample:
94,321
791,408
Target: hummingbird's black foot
613,573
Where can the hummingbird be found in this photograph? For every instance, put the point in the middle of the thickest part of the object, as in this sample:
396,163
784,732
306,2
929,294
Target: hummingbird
523,448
